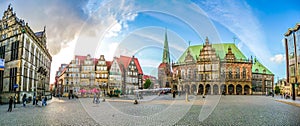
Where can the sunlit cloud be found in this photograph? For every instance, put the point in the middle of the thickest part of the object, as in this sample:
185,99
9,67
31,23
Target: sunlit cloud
279,58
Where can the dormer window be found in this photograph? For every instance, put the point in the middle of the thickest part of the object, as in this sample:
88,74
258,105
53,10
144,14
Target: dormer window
264,71
256,70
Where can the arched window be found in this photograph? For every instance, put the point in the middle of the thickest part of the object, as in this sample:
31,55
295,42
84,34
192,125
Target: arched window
244,72
237,73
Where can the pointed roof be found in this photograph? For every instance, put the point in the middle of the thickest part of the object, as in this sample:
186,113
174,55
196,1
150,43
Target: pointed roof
125,60
166,53
261,68
220,48
108,64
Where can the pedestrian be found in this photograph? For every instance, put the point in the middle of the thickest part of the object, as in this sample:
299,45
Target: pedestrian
69,96
45,100
24,100
98,99
10,104
72,96
33,100
36,100
94,99
174,94
15,101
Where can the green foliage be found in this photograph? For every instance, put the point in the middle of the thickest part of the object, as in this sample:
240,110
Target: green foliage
277,89
147,84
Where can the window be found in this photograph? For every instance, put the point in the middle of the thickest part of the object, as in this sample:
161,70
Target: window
25,79
2,52
12,78
230,74
14,50
244,72
237,73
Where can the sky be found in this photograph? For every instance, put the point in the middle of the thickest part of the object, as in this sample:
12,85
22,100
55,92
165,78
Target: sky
127,27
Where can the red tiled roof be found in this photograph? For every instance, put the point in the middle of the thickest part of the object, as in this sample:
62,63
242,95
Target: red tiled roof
125,60
162,65
80,59
148,77
108,64
138,66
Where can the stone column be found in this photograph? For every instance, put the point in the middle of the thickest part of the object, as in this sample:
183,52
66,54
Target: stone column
243,90
204,89
226,86
234,89
211,89
219,86
197,88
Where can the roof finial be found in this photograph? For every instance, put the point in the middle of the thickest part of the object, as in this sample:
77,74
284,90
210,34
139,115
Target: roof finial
189,43
206,40
44,28
234,38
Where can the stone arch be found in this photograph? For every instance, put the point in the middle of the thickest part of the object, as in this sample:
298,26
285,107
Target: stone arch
193,88
231,89
223,89
239,89
201,89
187,88
207,89
215,89
246,89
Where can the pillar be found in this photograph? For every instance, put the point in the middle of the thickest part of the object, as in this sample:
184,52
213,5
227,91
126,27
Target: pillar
243,89
219,86
197,88
204,89
211,89
226,86
234,89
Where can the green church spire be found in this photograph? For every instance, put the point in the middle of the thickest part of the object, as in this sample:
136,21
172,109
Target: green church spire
166,53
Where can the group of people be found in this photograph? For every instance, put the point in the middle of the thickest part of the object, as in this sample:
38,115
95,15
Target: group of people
25,100
96,99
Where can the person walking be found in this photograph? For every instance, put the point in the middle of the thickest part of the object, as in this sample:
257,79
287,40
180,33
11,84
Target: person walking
33,100
10,104
45,100
174,93
24,100
36,100
94,100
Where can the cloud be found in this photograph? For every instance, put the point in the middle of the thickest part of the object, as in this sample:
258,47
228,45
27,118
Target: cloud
279,58
238,18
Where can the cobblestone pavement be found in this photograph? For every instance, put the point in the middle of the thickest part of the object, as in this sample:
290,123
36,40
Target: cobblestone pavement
162,110
246,110
58,113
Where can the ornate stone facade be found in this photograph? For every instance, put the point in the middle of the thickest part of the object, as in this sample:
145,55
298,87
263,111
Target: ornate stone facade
27,59
216,69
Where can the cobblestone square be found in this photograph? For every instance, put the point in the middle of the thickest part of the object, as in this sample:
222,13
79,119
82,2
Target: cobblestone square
160,110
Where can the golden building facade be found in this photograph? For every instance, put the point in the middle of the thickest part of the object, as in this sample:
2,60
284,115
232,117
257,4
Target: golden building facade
27,60
215,69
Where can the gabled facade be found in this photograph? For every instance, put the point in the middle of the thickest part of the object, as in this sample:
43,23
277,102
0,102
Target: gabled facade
27,59
218,69
116,76
102,73
87,78
132,73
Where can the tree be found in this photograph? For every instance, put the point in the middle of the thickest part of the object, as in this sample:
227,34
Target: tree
277,89
147,84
